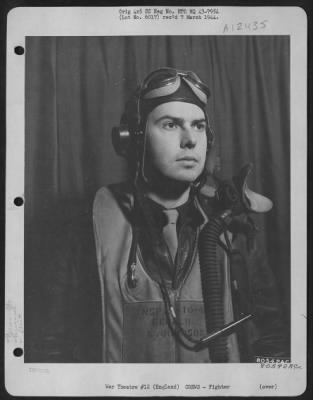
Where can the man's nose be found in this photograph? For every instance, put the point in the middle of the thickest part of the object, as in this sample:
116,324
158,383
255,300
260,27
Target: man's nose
188,137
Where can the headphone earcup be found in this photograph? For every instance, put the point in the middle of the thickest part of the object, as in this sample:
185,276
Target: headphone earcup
121,140
125,143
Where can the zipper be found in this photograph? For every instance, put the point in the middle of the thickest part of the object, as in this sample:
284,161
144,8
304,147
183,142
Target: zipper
177,291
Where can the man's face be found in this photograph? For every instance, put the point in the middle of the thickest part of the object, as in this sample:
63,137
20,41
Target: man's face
176,141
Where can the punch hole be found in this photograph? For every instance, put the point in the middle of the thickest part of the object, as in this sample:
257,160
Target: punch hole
19,50
18,352
18,201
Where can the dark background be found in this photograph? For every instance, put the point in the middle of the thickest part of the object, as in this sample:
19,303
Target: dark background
75,91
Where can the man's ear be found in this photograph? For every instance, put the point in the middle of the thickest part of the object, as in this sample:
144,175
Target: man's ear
212,160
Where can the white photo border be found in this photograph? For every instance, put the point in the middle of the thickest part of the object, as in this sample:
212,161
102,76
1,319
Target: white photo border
92,379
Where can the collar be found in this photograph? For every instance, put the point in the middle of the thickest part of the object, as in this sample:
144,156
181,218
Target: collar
199,207
189,212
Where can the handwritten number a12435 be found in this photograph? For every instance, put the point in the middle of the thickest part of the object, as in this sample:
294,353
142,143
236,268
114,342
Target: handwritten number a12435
245,26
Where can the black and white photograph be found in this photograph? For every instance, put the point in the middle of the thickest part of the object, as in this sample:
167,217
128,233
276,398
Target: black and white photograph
155,201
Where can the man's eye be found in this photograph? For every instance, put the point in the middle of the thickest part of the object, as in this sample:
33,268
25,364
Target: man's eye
201,126
169,125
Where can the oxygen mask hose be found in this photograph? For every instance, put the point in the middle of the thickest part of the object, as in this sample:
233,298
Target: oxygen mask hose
212,287
233,198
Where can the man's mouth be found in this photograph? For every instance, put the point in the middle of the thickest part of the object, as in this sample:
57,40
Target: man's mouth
188,158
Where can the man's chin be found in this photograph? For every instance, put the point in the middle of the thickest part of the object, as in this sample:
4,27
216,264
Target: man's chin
179,177
186,177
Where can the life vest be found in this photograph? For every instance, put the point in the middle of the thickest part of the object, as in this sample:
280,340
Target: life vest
134,323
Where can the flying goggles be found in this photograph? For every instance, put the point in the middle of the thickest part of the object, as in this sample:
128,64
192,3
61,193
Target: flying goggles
166,81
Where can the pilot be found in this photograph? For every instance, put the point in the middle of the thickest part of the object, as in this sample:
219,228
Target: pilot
180,280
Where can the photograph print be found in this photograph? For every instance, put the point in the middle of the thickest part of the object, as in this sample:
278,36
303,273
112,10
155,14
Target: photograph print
157,187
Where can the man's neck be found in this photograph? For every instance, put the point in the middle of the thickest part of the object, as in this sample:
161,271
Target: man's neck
169,197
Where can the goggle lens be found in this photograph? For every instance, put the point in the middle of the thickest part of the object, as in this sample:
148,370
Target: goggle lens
168,76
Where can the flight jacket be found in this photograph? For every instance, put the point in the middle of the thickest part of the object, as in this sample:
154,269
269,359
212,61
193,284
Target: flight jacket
134,323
